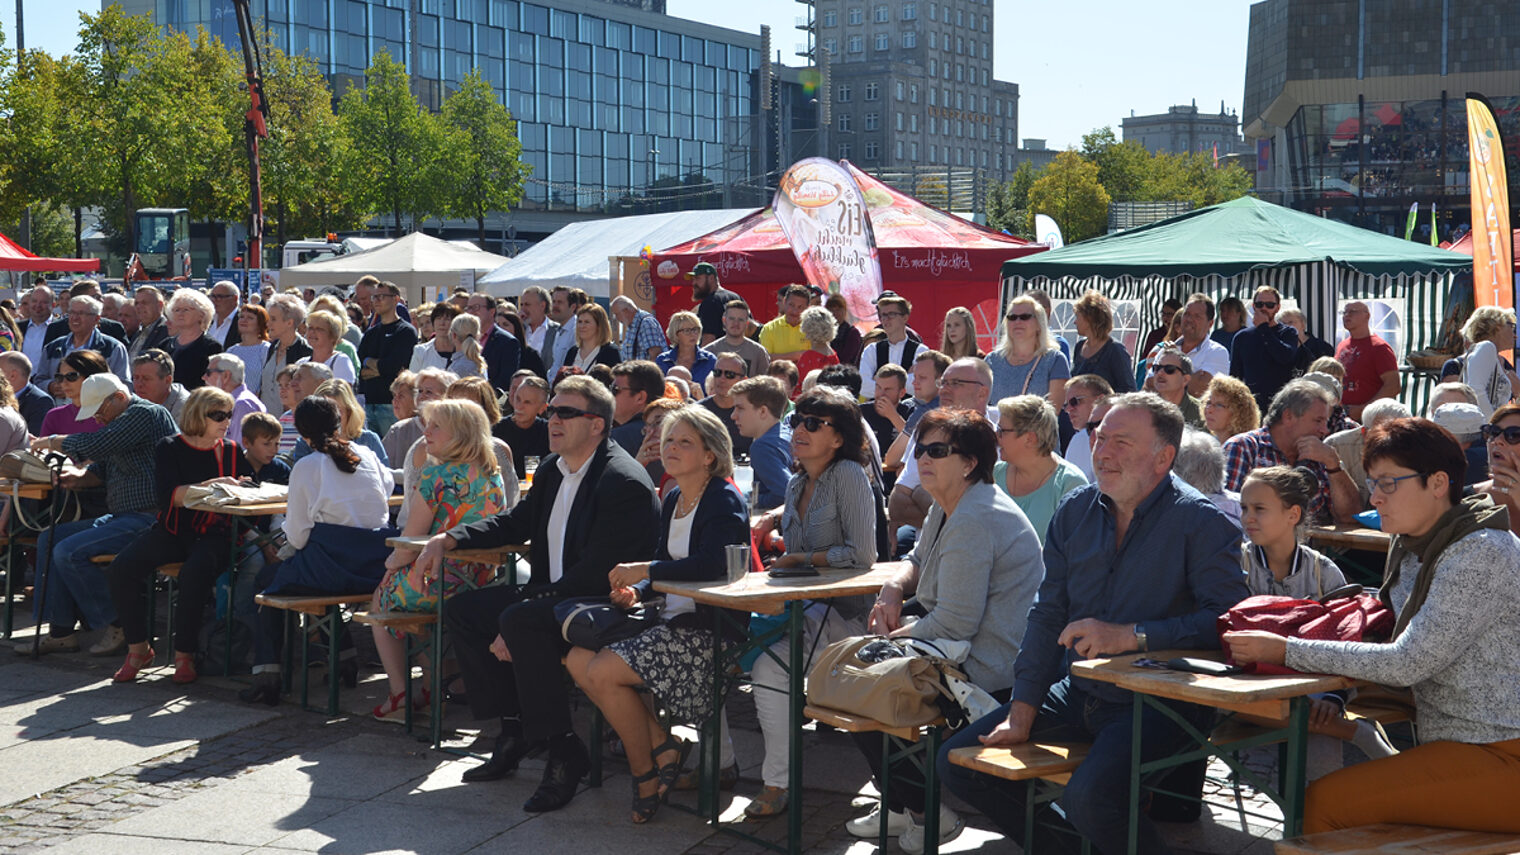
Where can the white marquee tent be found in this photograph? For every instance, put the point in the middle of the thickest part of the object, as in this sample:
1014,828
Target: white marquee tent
421,265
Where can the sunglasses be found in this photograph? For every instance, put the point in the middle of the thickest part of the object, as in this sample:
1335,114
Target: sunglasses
1168,369
1092,426
1076,401
936,450
811,424
219,415
565,414
69,377
1511,434
731,375
1020,316
1260,305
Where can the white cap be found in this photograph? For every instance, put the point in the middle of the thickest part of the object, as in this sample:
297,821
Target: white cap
1326,382
96,389
1463,419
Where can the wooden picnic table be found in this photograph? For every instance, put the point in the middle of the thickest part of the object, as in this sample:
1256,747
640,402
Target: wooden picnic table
1350,536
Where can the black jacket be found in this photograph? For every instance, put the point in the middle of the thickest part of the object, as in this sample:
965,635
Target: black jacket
503,355
614,519
33,404
155,337
720,519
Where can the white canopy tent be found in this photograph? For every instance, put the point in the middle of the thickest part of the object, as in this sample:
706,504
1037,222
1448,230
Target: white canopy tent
421,265
577,255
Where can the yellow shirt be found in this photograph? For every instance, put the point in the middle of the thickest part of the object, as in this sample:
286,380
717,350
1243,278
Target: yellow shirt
778,336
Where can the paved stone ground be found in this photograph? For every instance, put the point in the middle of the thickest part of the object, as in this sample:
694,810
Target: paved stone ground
153,767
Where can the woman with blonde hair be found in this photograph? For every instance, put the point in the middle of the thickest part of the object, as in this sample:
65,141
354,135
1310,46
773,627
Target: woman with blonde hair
348,335
407,428
1028,361
323,332
957,335
1095,352
354,430
686,350
1229,408
461,484
818,327
593,341
464,330
479,390
1489,330
190,313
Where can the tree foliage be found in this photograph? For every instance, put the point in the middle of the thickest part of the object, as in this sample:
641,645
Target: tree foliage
484,170
1124,168
1069,192
395,143
1008,204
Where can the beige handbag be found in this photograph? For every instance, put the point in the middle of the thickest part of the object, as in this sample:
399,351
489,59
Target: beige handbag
880,679
23,465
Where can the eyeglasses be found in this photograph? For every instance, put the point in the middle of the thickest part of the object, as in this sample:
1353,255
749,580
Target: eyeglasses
936,450
885,315
730,375
68,377
1169,369
956,383
1511,434
1076,401
811,424
213,371
1261,305
1020,316
1387,486
224,296
618,390
1005,431
219,415
1092,425
686,330
565,414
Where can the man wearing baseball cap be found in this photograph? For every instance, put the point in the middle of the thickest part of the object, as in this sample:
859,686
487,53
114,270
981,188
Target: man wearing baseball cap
711,299
121,459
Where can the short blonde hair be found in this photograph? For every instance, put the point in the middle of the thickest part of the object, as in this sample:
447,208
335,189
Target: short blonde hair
333,306
342,394
1484,323
1031,414
202,401
405,379
328,322
680,321
1328,365
470,433
710,430
199,301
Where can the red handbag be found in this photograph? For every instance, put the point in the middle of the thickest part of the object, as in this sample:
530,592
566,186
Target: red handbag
1362,617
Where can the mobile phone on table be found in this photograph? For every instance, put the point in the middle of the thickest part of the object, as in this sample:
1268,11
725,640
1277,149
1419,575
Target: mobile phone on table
1203,666
798,572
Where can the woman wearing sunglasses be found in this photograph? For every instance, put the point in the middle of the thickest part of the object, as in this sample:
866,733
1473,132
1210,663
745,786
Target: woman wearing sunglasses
64,420
971,578
1027,360
829,520
200,454
1453,582
1502,435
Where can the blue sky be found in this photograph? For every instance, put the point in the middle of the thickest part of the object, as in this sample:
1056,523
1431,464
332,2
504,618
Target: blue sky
1079,66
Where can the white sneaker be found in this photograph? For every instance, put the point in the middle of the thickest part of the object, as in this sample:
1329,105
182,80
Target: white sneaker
951,825
869,826
111,641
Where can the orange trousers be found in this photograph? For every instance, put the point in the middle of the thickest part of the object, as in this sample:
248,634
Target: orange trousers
1441,784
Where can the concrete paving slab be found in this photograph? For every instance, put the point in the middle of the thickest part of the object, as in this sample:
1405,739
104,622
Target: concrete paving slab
122,844
360,768
21,677
221,815
377,827
53,763
597,820
189,716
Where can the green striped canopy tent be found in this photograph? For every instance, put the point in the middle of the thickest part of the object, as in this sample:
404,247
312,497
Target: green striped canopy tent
1235,247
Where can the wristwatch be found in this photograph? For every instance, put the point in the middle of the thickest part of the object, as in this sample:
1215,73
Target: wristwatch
1140,638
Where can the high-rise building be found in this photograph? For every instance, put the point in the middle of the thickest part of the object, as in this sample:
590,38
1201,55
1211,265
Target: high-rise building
1356,110
913,87
1183,129
612,97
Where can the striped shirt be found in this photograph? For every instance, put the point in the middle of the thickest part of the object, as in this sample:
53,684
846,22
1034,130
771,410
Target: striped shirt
841,516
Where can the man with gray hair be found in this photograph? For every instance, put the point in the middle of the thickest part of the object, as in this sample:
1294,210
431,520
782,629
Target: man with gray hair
642,336
1294,435
225,301
1465,422
1137,561
225,372
153,380
966,385
1348,444
152,326
83,334
1200,462
1451,392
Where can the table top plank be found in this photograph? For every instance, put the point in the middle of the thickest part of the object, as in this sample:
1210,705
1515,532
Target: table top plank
758,592
25,489
264,509
492,555
1350,536
1253,693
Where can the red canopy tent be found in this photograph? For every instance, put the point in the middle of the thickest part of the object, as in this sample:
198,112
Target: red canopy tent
933,258
1464,245
14,257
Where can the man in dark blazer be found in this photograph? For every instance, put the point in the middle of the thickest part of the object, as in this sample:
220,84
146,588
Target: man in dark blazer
591,508
152,326
500,349
31,402
534,306
86,288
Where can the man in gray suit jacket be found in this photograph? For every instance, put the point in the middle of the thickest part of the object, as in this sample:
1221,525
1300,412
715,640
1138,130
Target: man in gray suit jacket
540,330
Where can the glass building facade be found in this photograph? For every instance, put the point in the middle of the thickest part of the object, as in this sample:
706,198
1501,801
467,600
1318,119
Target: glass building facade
610,99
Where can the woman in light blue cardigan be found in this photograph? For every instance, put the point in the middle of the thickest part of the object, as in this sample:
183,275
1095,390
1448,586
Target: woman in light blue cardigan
973,576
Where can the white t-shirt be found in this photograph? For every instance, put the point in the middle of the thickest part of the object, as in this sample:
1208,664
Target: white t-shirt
1079,453
909,476
678,543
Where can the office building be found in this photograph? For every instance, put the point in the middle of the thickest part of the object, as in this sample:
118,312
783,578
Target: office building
913,86
1356,110
1182,130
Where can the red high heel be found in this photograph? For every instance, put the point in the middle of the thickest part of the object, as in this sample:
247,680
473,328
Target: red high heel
184,668
135,662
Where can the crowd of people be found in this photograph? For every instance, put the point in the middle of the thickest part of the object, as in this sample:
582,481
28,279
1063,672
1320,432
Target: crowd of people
1038,502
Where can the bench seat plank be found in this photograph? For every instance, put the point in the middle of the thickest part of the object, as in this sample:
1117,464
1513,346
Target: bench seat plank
1049,760
311,605
1392,839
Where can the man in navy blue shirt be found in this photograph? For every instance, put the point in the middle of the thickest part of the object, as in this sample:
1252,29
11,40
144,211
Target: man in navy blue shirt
1264,355
1137,561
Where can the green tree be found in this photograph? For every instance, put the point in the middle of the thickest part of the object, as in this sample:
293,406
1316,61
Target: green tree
394,143
1069,192
1123,167
1194,178
31,170
484,167
52,231
1008,204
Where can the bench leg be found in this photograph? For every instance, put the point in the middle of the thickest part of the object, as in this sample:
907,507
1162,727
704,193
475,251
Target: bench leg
886,787
334,621
287,655
930,746
10,588
598,728
305,662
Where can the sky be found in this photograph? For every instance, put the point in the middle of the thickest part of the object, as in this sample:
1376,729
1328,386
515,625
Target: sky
1079,66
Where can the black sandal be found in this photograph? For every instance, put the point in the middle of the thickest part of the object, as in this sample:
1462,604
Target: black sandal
670,772
644,807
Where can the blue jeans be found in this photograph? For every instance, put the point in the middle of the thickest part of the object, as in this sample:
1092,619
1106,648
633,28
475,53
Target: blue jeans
73,588
379,418
1096,800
